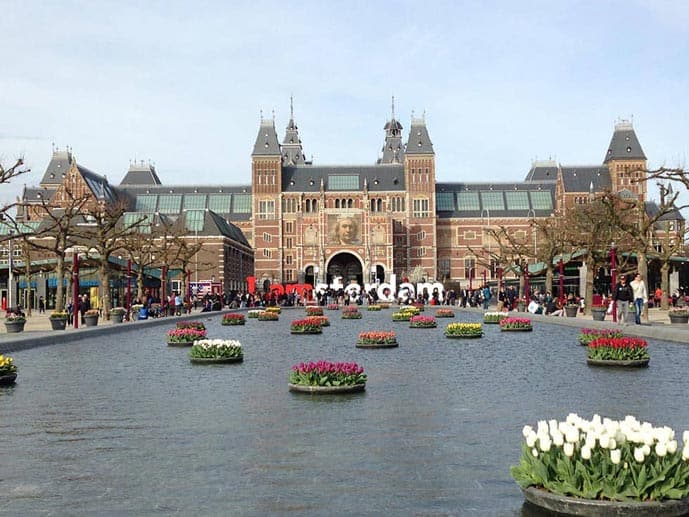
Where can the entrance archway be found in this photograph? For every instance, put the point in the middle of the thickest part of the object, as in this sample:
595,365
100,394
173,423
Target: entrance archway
347,266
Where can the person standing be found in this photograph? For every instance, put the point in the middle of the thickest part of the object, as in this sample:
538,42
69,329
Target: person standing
623,295
640,296
41,304
486,297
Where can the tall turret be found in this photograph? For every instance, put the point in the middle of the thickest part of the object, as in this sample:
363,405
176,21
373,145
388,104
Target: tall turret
292,152
393,149
626,160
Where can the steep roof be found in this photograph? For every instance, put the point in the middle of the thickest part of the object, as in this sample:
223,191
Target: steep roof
98,185
266,140
653,209
142,174
544,170
578,178
419,142
226,228
59,165
624,145
308,178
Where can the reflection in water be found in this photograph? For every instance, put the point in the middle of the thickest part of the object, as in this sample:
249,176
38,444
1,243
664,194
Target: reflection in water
132,427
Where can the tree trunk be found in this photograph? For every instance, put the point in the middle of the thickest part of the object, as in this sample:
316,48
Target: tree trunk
60,274
588,295
139,283
104,279
664,284
549,279
27,274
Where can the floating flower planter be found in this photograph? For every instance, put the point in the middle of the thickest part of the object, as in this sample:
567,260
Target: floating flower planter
516,324
493,318
373,308
276,310
588,335
325,377
377,339
444,313
196,325
325,322
310,325
604,467
184,336
314,311
216,351
233,319
333,307
422,322
268,316
405,314
8,371
464,330
253,313
419,306
619,351
350,313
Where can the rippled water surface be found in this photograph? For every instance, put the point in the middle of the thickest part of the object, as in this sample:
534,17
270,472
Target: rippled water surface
125,424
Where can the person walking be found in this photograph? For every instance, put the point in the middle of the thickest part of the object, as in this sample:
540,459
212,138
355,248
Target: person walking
622,295
640,296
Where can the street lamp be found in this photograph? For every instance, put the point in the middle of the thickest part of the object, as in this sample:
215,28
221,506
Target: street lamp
75,287
613,278
561,267
10,277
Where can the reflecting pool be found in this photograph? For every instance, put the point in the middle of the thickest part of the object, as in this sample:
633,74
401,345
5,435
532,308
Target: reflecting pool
125,424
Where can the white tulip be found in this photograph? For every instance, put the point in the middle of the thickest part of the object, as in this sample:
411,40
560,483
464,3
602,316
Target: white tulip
526,430
646,449
647,437
572,435
534,451
569,449
558,439
542,427
531,439
661,449
639,454
685,437
586,452
612,444
604,441
615,456
685,453
591,440
672,446
544,443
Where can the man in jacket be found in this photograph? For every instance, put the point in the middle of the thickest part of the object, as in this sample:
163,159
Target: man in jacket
622,294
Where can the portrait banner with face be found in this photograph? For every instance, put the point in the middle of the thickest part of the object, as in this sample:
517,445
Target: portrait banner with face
344,230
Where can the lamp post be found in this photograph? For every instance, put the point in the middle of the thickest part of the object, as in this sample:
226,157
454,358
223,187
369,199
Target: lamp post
10,274
75,293
561,267
527,297
129,288
613,278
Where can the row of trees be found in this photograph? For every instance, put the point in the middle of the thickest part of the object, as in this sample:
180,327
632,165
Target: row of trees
637,230
72,221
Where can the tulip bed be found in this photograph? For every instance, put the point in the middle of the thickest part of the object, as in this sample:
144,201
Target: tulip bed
326,373
314,311
422,322
185,335
494,317
373,308
351,313
276,310
515,324
377,338
325,322
444,313
618,349
216,349
588,335
604,459
268,316
253,313
7,365
310,325
333,307
198,325
233,319
470,330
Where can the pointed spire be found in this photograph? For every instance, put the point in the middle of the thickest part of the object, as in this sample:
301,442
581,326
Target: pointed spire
419,142
292,152
393,149
267,139
624,145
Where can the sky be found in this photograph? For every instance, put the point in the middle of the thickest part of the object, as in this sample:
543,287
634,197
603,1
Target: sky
183,84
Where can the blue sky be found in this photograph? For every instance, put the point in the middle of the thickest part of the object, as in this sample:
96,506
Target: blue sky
183,84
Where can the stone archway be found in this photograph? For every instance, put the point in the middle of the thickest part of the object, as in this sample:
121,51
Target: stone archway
347,266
